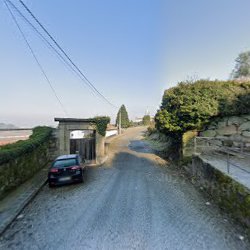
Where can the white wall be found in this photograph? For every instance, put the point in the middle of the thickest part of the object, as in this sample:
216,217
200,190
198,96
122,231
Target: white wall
111,132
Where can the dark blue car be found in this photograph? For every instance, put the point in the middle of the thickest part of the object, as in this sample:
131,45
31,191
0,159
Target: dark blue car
66,169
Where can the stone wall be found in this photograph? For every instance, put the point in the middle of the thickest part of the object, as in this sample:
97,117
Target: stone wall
100,148
230,131
16,172
229,194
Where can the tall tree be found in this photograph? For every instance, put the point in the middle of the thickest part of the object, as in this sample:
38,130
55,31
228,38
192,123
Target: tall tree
242,66
124,117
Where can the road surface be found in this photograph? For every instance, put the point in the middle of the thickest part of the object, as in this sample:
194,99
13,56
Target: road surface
132,202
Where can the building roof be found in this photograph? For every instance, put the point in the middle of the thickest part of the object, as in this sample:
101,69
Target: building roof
74,120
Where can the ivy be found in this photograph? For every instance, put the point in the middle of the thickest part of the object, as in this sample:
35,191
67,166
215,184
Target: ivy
12,151
101,124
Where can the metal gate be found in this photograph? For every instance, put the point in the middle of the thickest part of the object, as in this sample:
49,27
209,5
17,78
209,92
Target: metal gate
85,147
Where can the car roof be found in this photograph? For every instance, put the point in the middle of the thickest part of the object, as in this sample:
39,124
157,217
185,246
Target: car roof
64,157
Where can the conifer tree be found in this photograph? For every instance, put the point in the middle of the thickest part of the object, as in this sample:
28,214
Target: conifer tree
124,117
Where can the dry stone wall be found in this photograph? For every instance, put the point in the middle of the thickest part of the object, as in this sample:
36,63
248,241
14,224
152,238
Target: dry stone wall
230,131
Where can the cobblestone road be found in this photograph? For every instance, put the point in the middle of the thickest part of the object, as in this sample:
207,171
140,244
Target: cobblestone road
132,202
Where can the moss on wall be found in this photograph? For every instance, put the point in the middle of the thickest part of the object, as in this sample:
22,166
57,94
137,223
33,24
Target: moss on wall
228,193
19,167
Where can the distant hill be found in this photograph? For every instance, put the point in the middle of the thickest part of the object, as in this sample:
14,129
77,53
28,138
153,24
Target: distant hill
7,126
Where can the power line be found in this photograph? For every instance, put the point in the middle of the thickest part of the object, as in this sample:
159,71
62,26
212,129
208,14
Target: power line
65,54
47,42
35,57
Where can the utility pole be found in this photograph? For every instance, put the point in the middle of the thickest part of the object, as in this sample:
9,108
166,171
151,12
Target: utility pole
120,122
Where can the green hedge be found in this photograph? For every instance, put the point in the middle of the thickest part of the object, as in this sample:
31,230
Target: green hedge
190,106
101,124
12,151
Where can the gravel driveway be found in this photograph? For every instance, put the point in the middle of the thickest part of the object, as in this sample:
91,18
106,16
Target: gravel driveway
132,202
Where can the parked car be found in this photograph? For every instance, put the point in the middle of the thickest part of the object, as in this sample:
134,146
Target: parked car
66,169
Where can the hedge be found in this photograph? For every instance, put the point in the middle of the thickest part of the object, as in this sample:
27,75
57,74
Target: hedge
12,151
190,106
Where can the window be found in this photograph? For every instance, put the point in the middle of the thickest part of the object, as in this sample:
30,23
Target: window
65,163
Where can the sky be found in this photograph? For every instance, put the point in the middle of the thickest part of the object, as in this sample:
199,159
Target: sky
131,50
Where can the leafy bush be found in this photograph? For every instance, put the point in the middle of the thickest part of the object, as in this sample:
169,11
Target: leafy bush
146,120
101,124
12,151
192,105
151,129
242,67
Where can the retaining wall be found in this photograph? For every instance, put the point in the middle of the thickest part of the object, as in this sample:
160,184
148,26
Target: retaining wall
17,171
230,131
228,193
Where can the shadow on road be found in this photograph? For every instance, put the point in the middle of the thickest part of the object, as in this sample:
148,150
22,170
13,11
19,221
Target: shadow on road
128,203
140,147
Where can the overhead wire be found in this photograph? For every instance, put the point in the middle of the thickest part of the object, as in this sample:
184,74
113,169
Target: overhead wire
44,39
35,57
65,54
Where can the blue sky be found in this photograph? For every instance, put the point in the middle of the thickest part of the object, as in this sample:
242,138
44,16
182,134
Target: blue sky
130,49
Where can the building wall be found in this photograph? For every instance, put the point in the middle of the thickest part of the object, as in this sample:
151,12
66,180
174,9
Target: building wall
111,132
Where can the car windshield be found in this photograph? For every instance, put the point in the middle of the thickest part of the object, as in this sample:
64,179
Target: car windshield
64,163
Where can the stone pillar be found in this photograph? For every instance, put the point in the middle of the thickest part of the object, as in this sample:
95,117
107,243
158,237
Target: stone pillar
67,140
61,138
100,148
64,139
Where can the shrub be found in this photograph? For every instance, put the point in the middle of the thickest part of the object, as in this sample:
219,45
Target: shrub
146,120
151,129
12,151
190,106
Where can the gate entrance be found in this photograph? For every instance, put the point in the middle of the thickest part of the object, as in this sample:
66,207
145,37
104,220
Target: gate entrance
83,142
81,136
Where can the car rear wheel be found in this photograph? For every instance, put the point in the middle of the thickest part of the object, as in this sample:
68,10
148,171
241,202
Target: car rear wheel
82,179
51,185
